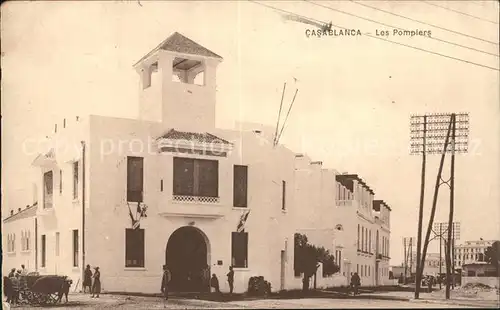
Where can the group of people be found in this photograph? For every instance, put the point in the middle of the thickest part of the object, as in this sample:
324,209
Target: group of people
214,281
16,282
92,281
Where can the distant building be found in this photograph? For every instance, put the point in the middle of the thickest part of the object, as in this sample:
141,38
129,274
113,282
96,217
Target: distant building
471,252
431,266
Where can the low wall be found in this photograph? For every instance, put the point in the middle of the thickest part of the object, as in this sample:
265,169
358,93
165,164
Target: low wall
490,281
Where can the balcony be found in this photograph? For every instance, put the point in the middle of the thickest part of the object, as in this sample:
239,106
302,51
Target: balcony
344,203
195,199
193,207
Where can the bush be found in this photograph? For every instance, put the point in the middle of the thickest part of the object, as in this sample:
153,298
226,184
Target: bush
257,286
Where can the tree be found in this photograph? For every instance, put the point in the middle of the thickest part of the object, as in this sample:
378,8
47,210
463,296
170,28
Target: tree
492,254
307,258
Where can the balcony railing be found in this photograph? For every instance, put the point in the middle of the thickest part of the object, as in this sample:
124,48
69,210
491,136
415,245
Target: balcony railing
47,201
344,202
195,199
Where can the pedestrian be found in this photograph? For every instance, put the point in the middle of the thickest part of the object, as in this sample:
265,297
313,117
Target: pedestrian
214,283
355,283
429,284
15,288
96,287
230,279
24,271
12,273
87,279
7,288
165,280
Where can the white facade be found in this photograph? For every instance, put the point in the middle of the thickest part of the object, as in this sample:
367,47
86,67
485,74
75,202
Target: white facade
471,252
18,237
184,178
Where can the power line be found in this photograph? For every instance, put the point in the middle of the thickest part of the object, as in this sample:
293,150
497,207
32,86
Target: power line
287,114
387,25
380,38
279,114
421,22
460,12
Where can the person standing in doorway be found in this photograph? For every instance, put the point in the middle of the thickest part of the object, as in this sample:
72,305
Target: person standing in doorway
165,281
87,279
230,279
96,287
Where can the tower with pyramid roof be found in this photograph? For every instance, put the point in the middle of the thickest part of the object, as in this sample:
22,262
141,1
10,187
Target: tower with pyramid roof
178,84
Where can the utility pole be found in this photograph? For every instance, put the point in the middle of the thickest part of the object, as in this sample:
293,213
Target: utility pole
434,125
440,251
405,259
452,203
421,205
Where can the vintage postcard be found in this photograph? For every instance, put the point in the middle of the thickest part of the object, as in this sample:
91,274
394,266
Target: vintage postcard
250,154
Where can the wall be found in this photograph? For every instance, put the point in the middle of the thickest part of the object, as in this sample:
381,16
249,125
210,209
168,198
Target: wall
66,213
490,281
268,226
19,256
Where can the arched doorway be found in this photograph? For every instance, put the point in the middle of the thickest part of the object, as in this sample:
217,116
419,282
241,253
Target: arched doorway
187,257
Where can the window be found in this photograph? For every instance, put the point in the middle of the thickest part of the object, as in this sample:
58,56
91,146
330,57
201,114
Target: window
48,189
75,180
283,195
43,252
161,185
362,238
135,178
239,249
357,268
369,271
370,241
196,177
240,186
57,244
134,247
75,248
60,181
358,237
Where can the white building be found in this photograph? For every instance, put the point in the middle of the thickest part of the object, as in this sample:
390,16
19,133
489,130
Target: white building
471,252
19,241
432,265
129,195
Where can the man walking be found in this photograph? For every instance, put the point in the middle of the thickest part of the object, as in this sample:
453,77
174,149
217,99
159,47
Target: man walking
165,281
230,279
355,283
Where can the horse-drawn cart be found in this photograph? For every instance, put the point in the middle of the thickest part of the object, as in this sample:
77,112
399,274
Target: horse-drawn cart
42,290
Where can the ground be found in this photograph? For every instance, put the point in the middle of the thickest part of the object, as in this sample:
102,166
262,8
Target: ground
79,301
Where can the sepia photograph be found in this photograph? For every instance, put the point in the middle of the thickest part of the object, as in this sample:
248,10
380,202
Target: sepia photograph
241,154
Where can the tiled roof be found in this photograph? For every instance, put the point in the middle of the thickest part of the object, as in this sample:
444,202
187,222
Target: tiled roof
193,136
346,182
24,213
357,178
378,203
181,44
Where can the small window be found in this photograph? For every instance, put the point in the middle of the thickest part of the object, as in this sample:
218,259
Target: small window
239,249
240,184
75,248
135,179
75,180
43,251
283,195
60,181
134,247
57,243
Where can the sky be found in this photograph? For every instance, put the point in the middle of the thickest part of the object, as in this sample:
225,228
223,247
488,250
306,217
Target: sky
355,94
